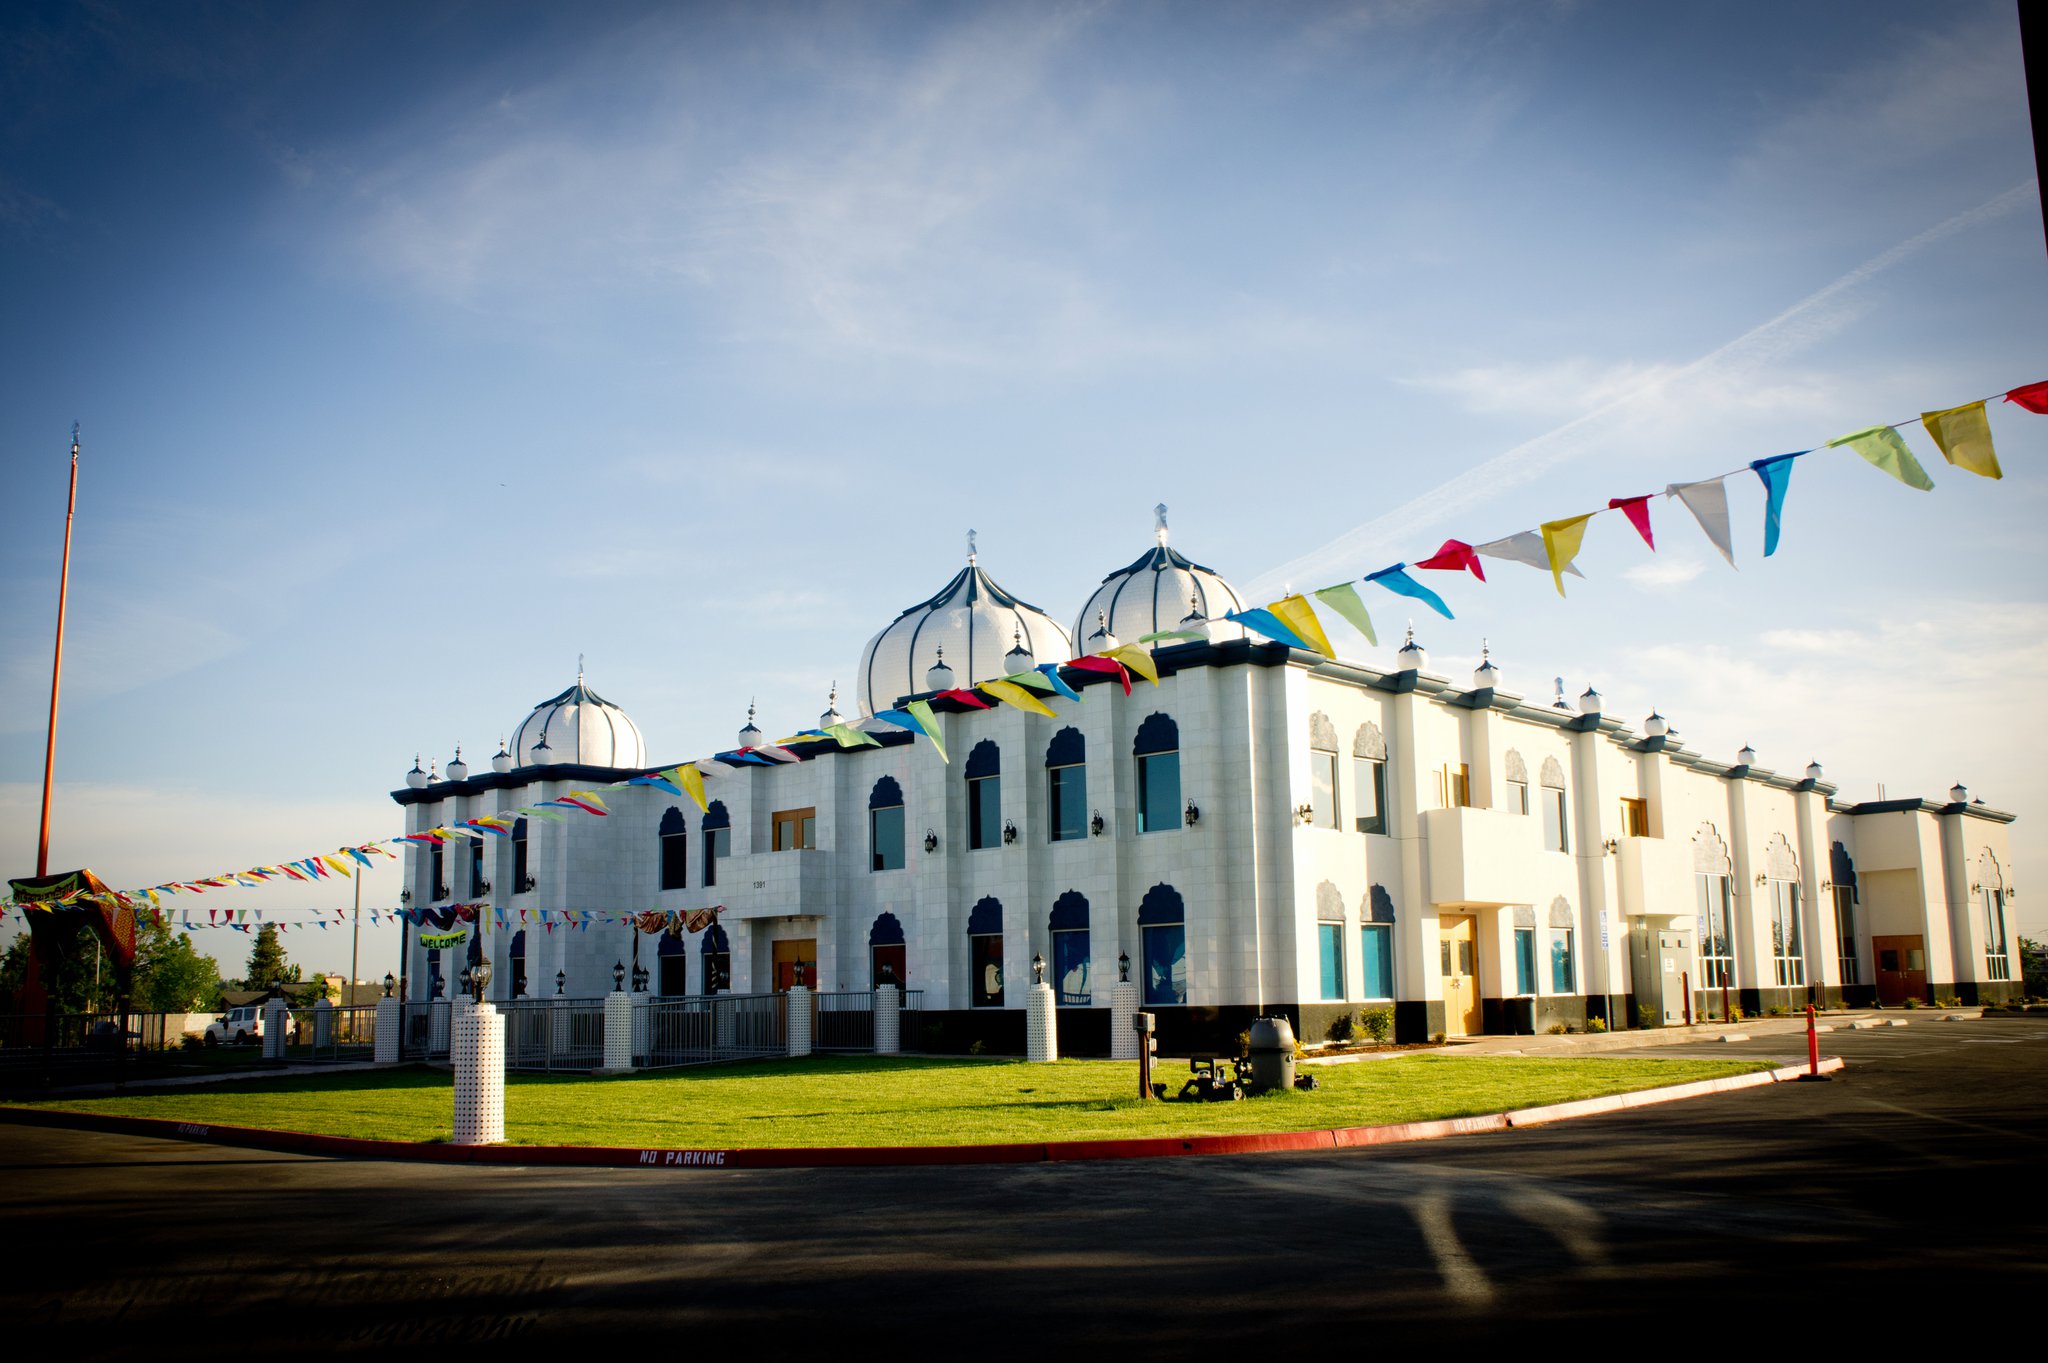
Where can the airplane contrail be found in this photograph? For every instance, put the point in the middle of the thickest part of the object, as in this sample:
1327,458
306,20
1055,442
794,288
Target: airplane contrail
1370,545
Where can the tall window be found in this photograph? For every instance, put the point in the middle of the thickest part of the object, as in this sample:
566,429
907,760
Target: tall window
717,829
985,943
1162,923
1376,943
1516,772
1330,952
516,958
1845,933
1369,768
716,954
795,829
1635,818
672,962
885,827
675,852
887,961
436,982
1556,833
476,868
1322,771
436,872
1997,965
1158,752
1454,786
1787,957
984,796
1518,797
1070,964
1066,785
1716,941
1525,960
1563,974
519,874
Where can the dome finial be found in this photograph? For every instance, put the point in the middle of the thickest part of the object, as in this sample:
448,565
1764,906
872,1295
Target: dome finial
972,557
1558,702
831,715
1159,524
579,669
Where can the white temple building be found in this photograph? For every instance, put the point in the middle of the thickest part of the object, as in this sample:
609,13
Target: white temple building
1265,831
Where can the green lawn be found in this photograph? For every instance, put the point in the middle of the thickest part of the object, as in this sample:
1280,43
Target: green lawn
866,1100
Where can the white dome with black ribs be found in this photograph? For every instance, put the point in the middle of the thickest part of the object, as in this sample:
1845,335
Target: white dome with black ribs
580,727
974,621
1157,593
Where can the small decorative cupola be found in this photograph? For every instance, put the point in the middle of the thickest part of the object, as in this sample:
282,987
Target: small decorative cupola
751,735
1813,771
831,715
1413,657
458,770
1656,726
1959,793
1747,757
541,754
1020,657
501,760
1558,702
1486,676
1102,640
433,772
939,677
416,778
1590,702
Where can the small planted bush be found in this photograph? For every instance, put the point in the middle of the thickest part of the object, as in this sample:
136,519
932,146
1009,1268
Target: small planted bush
1596,1024
1343,1027
1378,1023
1646,1016
1558,1029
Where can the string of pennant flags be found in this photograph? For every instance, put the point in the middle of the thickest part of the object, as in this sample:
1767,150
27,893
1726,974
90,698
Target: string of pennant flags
1962,435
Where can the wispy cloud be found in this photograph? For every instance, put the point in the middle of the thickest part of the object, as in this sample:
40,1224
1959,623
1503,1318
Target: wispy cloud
1664,572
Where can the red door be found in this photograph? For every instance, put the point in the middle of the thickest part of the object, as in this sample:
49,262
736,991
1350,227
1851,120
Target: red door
1901,969
890,958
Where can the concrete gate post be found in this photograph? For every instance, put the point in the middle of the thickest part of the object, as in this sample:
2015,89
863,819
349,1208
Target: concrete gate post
1041,1025
276,1017
478,1045
390,1031
798,1002
618,1033
1123,1006
888,1020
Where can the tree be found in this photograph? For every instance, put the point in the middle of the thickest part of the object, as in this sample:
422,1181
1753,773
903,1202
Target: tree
2034,967
170,977
268,966
67,970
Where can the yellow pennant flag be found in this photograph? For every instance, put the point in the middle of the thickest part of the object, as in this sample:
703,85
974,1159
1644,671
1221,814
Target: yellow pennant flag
1561,541
1299,616
337,863
1012,694
692,781
588,797
1139,660
1965,439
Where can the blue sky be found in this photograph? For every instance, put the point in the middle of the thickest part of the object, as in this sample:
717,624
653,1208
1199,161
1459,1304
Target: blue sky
419,349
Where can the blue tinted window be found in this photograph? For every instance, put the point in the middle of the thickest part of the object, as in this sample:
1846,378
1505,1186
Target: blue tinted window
1525,960
1070,967
1068,801
985,811
885,832
1376,951
1561,976
1166,964
1332,952
1158,792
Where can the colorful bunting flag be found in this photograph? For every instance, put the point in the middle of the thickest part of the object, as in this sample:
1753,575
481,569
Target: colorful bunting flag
1964,438
1637,509
1300,617
1561,541
1708,502
1777,475
921,711
1138,660
1527,547
1398,582
1051,672
1343,599
1455,557
1884,449
1266,623
965,697
1095,663
1012,694
2032,396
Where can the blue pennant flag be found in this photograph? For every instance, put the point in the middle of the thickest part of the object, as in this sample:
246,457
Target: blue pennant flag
1396,580
1268,624
1051,672
1777,475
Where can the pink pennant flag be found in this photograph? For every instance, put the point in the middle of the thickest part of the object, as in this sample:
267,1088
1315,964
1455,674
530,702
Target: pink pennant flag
1454,557
965,697
2032,396
1096,663
1637,509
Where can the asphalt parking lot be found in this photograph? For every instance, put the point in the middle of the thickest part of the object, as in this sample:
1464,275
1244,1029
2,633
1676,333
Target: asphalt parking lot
1906,1190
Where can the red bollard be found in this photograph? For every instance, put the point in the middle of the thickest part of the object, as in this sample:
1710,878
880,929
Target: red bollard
1813,1074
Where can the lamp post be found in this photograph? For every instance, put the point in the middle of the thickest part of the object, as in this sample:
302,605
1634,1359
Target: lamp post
561,982
389,984
480,979
618,977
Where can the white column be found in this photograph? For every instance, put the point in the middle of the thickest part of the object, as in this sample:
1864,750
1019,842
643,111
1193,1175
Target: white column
323,1024
799,1029
888,1020
618,1032
275,1019
1123,1006
478,1048
1041,1025
390,1031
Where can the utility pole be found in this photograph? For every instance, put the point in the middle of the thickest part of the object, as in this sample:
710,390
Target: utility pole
57,665
355,941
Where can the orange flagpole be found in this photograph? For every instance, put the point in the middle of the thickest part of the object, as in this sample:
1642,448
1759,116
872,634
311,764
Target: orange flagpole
57,665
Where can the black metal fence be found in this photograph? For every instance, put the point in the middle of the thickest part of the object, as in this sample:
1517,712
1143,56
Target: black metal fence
38,1048
709,1028
554,1034
330,1035
425,1034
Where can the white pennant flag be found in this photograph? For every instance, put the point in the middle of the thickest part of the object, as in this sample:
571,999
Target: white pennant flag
1708,502
1526,547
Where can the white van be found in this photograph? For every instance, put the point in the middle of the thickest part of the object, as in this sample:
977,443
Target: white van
238,1025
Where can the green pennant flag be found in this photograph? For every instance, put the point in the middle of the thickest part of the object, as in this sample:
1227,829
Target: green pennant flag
1882,446
1343,599
921,711
850,737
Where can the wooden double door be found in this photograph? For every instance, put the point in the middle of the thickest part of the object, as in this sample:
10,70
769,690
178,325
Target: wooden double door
787,955
1458,940
1901,969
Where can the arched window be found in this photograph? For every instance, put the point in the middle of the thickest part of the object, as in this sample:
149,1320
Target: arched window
1788,949
478,886
436,982
1991,891
1517,773
521,881
1330,938
1711,870
1066,783
1376,942
1322,772
717,829
717,958
672,960
885,826
985,796
1842,875
1158,752
1556,828
1563,974
675,850
887,960
515,958
1525,949
1162,922
1070,949
1369,766
985,940
437,887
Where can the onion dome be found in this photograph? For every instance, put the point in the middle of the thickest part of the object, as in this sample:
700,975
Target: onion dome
751,735
1590,702
1656,726
1413,657
939,677
1150,596
1020,657
433,772
972,621
1747,757
581,727
458,770
416,778
831,715
501,760
1485,676
1102,638
1959,793
1813,770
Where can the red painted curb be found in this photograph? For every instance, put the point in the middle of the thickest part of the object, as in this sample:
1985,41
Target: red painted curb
854,1156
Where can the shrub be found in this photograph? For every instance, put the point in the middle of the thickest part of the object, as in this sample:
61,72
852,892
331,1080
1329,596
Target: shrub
1596,1024
1950,1001
1342,1027
1776,1010
1378,1023
1558,1029
976,1047
1646,1016
1439,1038
1912,1002
1244,1042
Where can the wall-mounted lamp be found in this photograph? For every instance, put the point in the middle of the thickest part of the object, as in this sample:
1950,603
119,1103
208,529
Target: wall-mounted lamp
483,887
1976,889
1192,815
1762,880
1009,831
1305,813
931,841
1123,967
440,892
1612,846
1037,968
405,896
1826,885
1096,824
526,883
